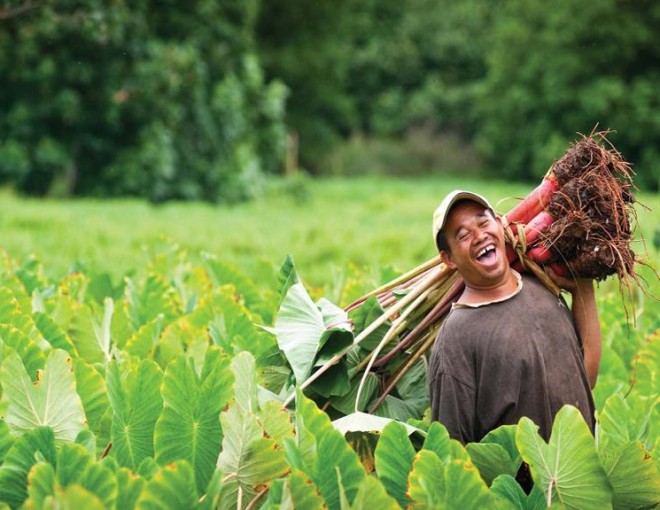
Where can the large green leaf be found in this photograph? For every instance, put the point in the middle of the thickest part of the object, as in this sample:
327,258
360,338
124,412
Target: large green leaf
295,491
438,441
286,277
136,404
13,338
456,484
325,454
6,439
189,426
496,453
93,393
633,474
52,401
20,459
53,334
647,374
298,328
364,315
625,432
74,465
155,297
248,459
130,488
232,327
508,488
394,456
172,488
566,469
346,403
143,342
371,494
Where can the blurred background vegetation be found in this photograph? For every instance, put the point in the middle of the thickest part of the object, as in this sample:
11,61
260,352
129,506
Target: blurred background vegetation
204,100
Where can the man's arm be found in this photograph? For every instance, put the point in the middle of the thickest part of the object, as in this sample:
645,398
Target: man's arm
587,324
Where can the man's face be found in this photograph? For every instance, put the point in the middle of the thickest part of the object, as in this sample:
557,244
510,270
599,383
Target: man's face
476,245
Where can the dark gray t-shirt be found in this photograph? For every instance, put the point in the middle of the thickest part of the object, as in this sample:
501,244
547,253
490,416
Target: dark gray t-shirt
494,364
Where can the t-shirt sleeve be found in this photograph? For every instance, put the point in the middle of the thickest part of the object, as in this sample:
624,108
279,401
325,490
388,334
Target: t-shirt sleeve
453,405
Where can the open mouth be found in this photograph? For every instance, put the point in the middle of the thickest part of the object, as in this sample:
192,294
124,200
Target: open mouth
487,254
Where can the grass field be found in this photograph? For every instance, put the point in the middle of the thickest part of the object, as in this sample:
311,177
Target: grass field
327,225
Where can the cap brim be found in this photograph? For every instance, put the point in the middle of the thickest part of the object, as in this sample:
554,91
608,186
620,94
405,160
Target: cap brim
442,211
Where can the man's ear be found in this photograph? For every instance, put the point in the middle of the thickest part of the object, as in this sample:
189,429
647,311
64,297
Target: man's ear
445,256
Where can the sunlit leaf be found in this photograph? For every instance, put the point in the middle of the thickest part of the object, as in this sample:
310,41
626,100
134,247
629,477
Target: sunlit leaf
496,453
172,488
93,393
508,488
136,403
33,358
394,457
189,426
567,468
155,297
325,453
248,459
19,460
52,401
371,494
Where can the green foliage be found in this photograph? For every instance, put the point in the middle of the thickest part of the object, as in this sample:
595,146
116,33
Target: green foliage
112,99
171,402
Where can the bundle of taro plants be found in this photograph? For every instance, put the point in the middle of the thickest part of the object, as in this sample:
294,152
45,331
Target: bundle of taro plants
578,221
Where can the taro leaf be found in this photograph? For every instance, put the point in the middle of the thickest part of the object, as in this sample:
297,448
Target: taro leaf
286,278
74,497
395,408
325,453
413,388
333,316
52,401
189,426
625,425
6,440
626,419
456,484
566,469
74,466
364,315
648,360
130,488
155,297
496,453
87,440
276,421
223,273
363,422
244,369
20,459
333,340
394,458
33,357
334,382
298,328
143,341
83,331
93,393
53,334
362,432
346,403
232,327
427,481
295,491
508,488
438,441
172,488
136,404
248,459
371,494
633,474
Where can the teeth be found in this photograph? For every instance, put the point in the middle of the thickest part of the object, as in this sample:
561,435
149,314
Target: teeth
487,248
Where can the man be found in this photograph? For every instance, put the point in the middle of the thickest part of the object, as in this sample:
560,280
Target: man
508,348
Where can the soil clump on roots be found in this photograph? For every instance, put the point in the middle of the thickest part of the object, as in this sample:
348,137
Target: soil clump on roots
592,208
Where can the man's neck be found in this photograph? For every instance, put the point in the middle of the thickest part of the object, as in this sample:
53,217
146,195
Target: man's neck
503,290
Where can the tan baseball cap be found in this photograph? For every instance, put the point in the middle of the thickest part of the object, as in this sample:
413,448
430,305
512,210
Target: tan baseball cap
440,214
